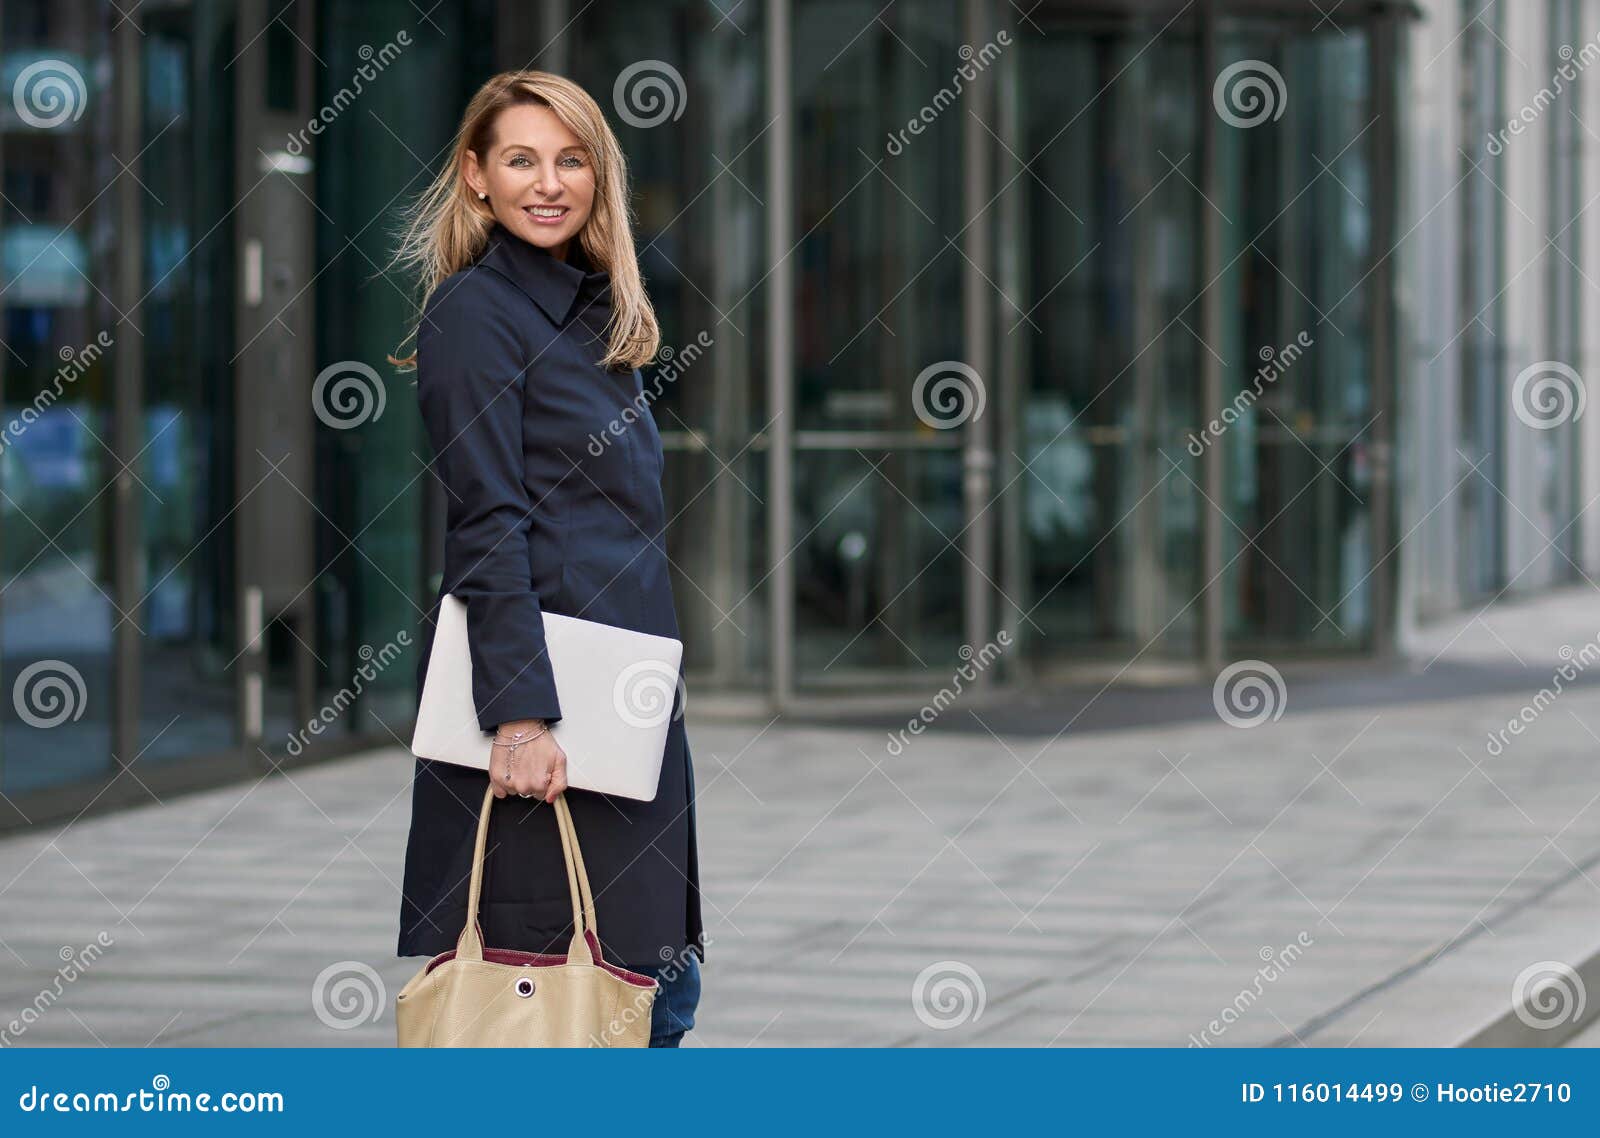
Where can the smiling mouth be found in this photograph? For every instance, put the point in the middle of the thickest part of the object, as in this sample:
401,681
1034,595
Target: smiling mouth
546,214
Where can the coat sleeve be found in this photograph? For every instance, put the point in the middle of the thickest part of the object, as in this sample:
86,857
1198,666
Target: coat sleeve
471,371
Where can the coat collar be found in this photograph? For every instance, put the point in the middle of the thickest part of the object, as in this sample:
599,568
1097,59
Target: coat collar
551,283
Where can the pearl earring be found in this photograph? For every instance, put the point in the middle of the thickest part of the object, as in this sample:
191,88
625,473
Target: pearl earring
482,197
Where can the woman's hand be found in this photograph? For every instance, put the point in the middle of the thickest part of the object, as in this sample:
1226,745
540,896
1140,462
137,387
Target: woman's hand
534,767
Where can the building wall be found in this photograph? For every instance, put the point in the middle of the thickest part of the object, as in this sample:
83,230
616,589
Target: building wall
1513,525
1526,184
1430,300
1588,435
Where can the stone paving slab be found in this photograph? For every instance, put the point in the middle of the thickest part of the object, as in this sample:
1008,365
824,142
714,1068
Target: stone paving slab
1119,887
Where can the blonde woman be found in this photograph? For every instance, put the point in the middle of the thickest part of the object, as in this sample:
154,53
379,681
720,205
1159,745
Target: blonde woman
534,324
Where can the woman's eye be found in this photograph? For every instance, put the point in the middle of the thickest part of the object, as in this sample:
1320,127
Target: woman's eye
519,160
572,161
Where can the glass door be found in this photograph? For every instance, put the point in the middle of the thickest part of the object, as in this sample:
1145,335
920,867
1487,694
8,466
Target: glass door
185,491
1298,191
1108,358
881,390
1102,346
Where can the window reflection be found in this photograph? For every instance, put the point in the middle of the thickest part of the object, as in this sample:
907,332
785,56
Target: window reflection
186,485
56,601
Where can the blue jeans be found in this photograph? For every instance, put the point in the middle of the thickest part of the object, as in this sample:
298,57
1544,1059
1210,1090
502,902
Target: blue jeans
672,1014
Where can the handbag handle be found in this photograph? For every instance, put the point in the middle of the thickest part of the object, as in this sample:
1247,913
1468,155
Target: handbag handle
470,944
575,866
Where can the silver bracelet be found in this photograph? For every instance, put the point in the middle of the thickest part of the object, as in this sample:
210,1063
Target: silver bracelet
521,737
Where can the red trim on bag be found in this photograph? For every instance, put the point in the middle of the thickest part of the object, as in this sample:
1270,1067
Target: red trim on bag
549,960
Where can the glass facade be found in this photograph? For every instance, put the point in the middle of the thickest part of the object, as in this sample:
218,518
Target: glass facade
216,555
186,489
59,249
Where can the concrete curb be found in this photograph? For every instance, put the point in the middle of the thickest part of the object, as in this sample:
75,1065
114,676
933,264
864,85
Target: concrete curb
1522,1025
1469,991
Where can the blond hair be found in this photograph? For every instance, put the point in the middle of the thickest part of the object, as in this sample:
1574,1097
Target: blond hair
447,228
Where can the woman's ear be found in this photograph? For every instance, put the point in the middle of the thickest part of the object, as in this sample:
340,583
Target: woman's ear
474,173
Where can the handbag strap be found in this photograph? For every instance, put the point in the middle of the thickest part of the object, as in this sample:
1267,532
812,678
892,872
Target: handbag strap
469,946
575,866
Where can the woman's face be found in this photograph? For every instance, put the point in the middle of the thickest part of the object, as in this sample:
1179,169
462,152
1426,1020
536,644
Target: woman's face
539,177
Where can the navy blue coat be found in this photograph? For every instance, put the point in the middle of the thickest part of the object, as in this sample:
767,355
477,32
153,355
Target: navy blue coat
512,398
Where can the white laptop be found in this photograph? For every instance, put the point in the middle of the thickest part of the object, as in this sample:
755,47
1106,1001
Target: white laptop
615,685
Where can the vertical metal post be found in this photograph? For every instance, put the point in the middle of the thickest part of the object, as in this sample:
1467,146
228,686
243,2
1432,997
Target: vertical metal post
1013,387
128,398
780,358
250,667
1144,564
977,457
554,16
722,562
3,534
1566,184
1210,256
1577,194
1384,62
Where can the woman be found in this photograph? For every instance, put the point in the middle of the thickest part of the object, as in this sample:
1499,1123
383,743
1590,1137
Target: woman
533,328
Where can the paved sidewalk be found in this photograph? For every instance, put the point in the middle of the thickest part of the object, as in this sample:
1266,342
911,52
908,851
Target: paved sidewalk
1103,887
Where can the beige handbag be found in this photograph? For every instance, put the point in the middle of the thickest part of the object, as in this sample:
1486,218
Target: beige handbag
474,996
